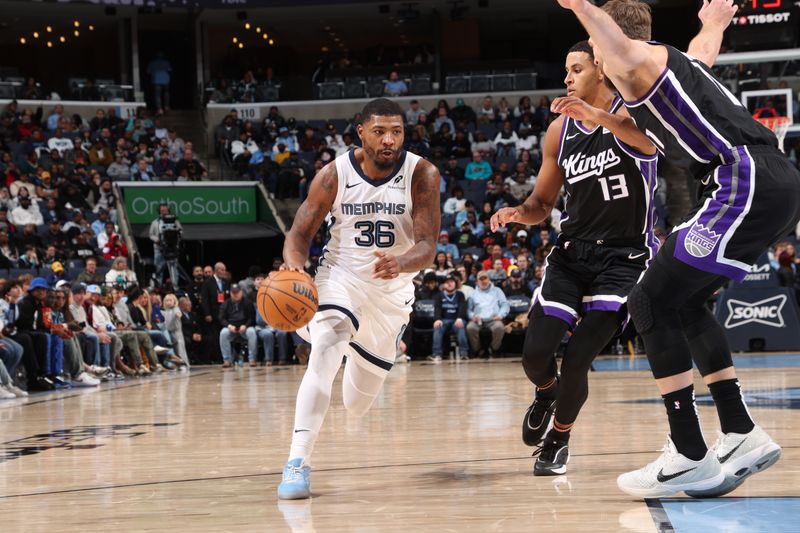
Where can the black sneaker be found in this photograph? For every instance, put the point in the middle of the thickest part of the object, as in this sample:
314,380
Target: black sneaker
552,458
537,420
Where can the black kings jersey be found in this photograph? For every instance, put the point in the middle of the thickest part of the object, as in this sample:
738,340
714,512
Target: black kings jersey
609,185
694,119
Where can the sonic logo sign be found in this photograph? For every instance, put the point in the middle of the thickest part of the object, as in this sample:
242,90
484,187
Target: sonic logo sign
768,312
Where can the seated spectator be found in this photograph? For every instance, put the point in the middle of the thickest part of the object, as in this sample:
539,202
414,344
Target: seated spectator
105,199
190,168
497,273
268,337
496,253
486,309
394,86
309,141
478,169
30,324
449,314
413,113
58,274
544,248
462,112
237,318
8,249
483,145
442,119
30,259
120,169
465,238
46,189
334,140
446,246
506,141
455,203
500,198
246,88
33,346
526,140
347,144
119,273
429,288
26,213
286,139
452,173
487,113
115,247
515,284
461,145
90,276
142,171
442,266
520,187
23,181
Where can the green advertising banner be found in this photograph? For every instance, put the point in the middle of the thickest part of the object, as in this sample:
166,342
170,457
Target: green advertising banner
192,205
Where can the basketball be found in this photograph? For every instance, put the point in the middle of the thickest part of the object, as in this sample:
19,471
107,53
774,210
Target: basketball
287,300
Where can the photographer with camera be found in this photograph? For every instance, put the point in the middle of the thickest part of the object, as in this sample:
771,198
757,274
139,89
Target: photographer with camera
166,232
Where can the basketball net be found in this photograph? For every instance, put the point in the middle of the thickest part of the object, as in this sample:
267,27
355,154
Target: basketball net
778,125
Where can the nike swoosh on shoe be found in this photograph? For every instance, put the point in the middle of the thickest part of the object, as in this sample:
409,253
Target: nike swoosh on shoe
730,453
661,477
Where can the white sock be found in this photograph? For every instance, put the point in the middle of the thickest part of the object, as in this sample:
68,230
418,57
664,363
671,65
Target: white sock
314,394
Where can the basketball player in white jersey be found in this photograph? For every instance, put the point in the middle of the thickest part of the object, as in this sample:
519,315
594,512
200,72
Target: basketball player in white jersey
383,204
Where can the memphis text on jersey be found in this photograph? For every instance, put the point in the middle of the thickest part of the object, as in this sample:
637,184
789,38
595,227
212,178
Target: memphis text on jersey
373,208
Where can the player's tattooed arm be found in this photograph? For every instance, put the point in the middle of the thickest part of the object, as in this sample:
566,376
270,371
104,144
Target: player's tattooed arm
427,218
539,204
716,16
620,124
309,217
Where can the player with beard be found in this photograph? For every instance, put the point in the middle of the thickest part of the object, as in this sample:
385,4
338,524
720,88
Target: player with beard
382,206
750,198
608,168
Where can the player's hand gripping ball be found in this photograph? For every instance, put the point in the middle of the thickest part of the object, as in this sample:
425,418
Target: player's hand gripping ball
287,300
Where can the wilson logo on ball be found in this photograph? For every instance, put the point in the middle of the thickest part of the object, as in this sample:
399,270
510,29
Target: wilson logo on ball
303,290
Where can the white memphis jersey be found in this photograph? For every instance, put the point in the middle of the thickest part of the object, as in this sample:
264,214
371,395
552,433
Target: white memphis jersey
369,216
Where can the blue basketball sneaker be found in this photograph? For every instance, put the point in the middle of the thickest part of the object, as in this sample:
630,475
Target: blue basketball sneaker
295,484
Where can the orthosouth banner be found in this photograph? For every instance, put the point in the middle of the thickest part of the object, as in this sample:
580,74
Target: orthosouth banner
192,205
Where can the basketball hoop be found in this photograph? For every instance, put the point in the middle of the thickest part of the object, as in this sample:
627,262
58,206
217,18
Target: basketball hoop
778,125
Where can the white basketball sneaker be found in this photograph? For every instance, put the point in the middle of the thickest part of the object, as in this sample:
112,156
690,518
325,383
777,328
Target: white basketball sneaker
672,473
741,455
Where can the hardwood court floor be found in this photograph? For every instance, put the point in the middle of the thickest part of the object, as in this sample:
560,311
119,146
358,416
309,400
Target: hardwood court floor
439,451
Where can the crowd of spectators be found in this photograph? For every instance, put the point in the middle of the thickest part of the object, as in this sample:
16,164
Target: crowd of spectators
61,334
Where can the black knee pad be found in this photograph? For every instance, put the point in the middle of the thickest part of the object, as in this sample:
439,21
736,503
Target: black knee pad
641,309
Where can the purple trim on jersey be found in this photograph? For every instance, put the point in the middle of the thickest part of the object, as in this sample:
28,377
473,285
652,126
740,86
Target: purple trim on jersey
633,152
669,92
726,175
649,171
650,91
601,305
561,139
549,310
583,128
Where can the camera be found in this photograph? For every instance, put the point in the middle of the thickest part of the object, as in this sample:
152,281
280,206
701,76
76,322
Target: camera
170,237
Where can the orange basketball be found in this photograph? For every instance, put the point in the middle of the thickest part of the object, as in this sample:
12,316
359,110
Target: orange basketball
287,300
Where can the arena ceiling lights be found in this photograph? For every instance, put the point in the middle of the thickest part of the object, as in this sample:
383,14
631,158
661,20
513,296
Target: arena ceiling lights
253,35
51,35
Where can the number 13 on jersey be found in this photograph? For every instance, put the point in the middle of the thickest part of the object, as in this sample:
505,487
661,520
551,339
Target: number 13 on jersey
614,187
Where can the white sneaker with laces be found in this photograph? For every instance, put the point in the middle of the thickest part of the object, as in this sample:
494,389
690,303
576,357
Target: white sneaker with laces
85,380
6,394
672,473
16,391
741,455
